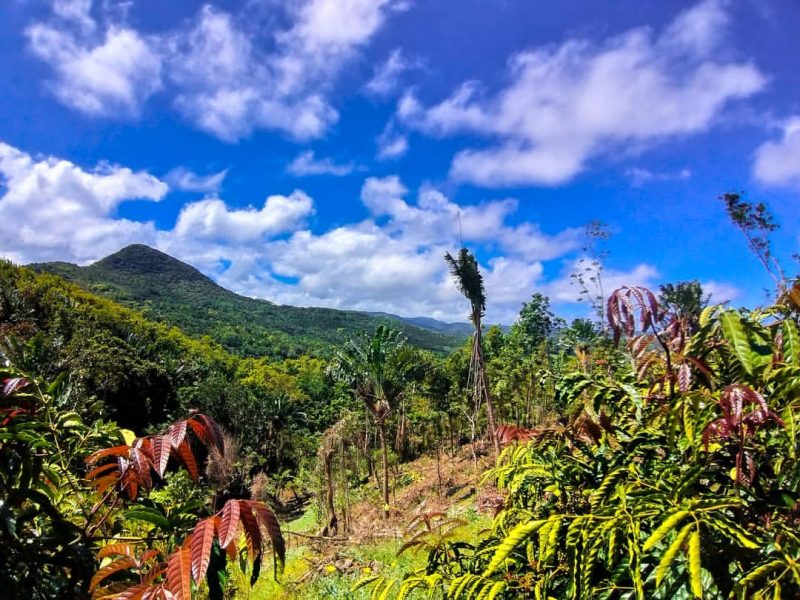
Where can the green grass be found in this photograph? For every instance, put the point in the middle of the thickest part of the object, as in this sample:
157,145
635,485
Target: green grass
377,558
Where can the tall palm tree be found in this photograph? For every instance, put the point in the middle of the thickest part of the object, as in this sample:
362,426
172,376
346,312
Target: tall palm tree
369,367
468,277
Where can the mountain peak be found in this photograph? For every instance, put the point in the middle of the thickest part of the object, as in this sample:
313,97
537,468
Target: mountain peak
139,259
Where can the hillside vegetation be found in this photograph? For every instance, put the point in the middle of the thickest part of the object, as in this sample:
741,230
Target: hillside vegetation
168,290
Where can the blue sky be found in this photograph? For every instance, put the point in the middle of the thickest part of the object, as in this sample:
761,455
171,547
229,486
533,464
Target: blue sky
328,152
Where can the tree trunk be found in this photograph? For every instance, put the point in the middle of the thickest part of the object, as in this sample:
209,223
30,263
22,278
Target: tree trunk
385,467
481,386
332,527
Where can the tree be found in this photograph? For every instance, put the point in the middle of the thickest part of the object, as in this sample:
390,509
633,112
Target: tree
589,276
468,277
536,322
685,299
756,223
369,366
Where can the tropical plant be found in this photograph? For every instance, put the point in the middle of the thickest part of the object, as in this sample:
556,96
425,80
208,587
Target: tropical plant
467,276
653,490
370,367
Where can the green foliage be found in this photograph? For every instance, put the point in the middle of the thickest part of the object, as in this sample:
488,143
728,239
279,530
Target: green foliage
170,291
646,492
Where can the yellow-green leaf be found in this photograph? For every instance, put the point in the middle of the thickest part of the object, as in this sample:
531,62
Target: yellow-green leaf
515,537
668,525
671,553
694,564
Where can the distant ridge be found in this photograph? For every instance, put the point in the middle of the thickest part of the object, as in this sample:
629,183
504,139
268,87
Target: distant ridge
169,290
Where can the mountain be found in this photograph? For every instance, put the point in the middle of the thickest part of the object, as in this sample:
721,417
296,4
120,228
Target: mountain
463,329
168,290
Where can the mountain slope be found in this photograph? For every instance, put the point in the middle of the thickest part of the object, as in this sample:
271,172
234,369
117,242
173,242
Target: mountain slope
169,290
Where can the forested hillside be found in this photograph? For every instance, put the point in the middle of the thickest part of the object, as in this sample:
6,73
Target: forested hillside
168,290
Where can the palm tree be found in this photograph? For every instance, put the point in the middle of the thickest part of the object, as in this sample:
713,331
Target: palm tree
369,366
468,277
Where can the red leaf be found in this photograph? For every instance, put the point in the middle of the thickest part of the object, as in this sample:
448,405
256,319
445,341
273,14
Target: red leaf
106,482
207,430
251,528
114,549
135,592
179,574
202,541
142,466
161,447
101,469
177,433
273,527
185,455
120,564
114,451
13,384
684,377
229,521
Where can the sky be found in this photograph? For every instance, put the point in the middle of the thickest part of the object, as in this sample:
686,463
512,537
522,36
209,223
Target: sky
329,152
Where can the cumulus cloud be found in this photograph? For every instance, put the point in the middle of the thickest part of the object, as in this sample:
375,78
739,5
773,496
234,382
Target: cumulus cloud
55,210
100,74
227,75
565,104
230,85
211,219
564,289
306,163
184,179
777,162
390,261
386,76
720,292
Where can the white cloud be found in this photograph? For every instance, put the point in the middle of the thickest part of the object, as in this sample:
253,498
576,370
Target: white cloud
391,144
306,163
387,75
230,85
211,219
566,104
228,75
778,162
566,290
60,211
183,179
391,261
101,78
640,176
720,292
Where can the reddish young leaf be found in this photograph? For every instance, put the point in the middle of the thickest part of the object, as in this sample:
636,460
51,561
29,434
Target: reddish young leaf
94,473
115,549
161,447
142,466
179,574
115,566
135,592
229,522
177,433
270,522
13,384
113,451
212,435
103,483
251,529
202,541
185,455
